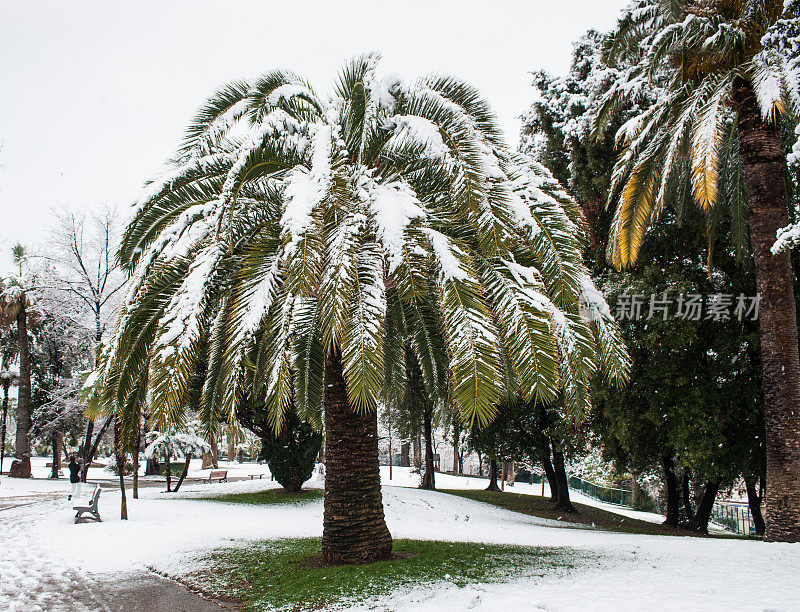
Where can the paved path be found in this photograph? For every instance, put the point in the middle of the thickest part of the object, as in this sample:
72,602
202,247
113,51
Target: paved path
34,580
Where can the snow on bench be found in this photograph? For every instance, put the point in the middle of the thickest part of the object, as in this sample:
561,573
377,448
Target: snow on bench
90,509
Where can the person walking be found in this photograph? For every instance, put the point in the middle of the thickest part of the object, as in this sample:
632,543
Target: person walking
74,477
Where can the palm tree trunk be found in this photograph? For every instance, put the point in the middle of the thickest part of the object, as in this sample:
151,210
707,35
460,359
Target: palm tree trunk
428,479
21,468
456,439
354,528
764,168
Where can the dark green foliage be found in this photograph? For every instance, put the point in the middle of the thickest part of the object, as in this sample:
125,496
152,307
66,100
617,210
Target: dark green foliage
291,453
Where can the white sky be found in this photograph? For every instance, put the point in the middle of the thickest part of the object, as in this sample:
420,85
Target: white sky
95,95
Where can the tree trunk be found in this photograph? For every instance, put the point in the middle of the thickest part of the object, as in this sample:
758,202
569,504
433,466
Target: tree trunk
456,438
417,452
687,498
136,463
764,168
87,445
493,476
152,468
706,505
562,498
550,473
56,456
119,451
754,503
231,444
671,482
183,473
428,479
89,457
21,467
168,472
405,456
6,385
214,454
354,528
208,461
480,464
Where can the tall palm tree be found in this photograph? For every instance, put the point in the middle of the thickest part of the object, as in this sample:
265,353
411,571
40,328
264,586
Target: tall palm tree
308,242
14,311
716,135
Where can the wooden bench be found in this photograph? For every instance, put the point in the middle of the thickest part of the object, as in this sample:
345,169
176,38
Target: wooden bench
221,475
91,509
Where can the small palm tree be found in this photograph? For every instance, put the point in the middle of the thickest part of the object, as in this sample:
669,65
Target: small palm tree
716,134
299,245
14,308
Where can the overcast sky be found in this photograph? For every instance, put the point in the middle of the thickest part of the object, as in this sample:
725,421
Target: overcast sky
95,95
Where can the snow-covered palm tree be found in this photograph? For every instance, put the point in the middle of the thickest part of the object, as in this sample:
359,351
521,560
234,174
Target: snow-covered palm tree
716,134
15,310
298,245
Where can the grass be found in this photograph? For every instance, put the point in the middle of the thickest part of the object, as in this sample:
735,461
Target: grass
589,516
286,575
269,497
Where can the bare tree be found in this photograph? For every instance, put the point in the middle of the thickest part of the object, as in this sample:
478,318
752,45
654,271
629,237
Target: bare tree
82,268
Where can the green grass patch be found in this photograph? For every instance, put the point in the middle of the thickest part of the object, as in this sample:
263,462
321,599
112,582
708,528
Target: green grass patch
282,574
588,516
270,497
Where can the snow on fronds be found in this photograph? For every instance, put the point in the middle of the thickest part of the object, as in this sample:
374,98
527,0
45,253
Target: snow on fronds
447,256
171,176
423,131
768,85
277,125
181,318
177,445
393,207
305,189
260,299
194,225
592,302
787,238
287,91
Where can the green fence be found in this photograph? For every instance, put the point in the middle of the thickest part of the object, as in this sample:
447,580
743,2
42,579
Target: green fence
734,517
609,495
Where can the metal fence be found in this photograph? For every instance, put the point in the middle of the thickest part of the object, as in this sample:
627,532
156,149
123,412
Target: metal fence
734,516
609,495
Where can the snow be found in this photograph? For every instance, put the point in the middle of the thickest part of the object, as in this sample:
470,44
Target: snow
285,92
45,559
305,189
446,257
393,207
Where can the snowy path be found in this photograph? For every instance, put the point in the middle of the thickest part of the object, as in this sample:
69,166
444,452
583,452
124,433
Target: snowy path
48,563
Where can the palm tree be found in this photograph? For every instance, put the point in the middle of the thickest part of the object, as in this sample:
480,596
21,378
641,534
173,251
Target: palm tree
14,310
715,133
308,242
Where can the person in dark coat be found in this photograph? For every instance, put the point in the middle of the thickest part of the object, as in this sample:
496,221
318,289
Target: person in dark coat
74,477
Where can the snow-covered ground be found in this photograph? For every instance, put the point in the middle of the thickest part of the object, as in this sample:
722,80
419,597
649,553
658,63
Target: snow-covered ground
49,563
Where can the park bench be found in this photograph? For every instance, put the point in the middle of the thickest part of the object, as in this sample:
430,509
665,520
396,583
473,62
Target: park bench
91,509
221,475
252,476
